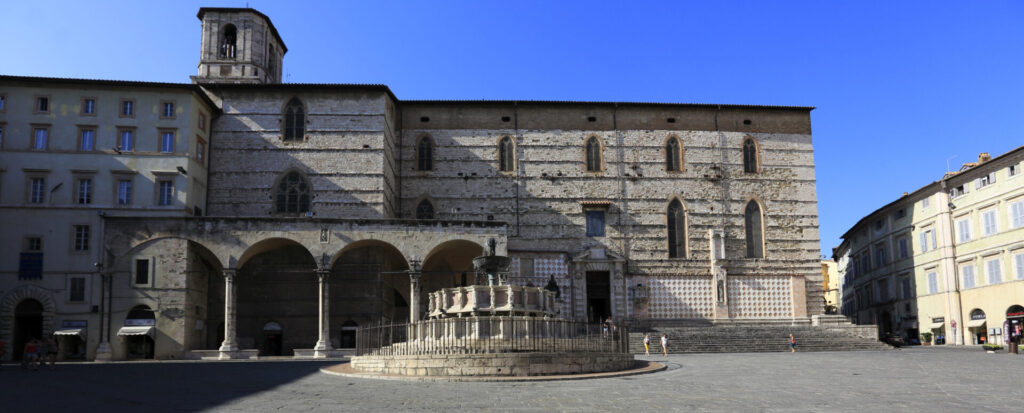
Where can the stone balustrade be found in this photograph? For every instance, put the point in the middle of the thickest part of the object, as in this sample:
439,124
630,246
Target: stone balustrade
477,300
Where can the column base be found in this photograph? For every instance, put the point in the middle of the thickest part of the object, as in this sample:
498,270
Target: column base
321,354
237,354
228,350
103,352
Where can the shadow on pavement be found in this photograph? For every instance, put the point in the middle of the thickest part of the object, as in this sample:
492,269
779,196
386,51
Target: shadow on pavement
160,386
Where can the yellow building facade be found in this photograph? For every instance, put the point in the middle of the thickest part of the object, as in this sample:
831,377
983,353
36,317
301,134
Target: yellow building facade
947,259
830,284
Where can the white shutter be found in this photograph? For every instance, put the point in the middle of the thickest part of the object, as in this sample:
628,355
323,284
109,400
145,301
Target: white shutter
1017,210
1019,260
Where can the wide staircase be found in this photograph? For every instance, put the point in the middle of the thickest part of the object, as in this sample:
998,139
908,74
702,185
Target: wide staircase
829,333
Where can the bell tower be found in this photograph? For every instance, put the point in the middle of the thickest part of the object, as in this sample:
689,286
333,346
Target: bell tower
239,45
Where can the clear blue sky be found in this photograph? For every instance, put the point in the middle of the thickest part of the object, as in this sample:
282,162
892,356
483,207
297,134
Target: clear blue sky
900,87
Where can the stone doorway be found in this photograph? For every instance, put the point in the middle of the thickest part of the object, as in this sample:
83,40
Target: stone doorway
348,334
273,336
28,324
599,296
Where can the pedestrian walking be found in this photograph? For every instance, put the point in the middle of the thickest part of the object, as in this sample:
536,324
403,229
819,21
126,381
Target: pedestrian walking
28,357
52,347
664,344
792,344
647,344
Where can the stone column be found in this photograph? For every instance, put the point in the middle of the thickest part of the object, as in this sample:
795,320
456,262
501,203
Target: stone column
323,344
230,343
414,291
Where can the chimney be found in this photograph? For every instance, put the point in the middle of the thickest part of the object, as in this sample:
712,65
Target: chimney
983,157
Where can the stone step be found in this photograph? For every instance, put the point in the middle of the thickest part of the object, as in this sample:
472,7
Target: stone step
770,336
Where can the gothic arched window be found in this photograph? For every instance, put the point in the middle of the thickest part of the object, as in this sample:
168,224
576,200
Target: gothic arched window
425,154
425,210
750,156
593,154
294,121
753,224
673,158
506,157
292,194
228,41
676,230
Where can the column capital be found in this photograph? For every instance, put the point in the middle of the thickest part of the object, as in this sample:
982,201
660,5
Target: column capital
229,273
322,274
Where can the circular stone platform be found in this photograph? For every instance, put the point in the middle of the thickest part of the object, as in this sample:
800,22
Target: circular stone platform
639,367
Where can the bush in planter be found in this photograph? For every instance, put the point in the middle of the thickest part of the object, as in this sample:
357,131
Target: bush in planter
926,338
991,347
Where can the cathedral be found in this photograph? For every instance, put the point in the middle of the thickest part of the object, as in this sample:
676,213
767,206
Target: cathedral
237,216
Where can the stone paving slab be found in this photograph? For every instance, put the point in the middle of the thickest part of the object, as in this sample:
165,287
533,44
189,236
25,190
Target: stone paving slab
642,367
915,379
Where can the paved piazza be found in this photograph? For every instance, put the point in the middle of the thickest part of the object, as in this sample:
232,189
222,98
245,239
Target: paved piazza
915,379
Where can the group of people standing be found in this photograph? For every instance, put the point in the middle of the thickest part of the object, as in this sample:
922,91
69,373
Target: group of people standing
38,351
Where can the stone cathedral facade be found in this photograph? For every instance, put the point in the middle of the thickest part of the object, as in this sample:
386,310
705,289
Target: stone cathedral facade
330,206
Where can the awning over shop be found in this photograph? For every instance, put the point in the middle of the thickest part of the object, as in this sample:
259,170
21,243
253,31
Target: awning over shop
136,331
936,326
80,332
975,323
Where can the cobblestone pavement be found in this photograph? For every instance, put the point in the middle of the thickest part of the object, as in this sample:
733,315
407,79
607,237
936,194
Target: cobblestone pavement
916,379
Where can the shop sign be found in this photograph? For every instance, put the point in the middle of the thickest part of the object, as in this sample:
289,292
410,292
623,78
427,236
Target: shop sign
1015,314
74,324
140,322
978,316
938,319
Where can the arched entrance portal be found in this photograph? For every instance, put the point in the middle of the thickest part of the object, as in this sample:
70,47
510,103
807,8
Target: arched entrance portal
277,282
448,265
272,338
28,324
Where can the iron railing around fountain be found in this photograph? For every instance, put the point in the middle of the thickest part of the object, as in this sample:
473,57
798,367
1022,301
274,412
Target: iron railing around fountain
471,335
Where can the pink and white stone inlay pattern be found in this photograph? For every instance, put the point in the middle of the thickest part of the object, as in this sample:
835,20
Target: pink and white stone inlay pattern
543,268
760,297
679,296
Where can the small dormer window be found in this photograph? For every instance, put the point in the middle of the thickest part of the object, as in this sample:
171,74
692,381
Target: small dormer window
227,42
